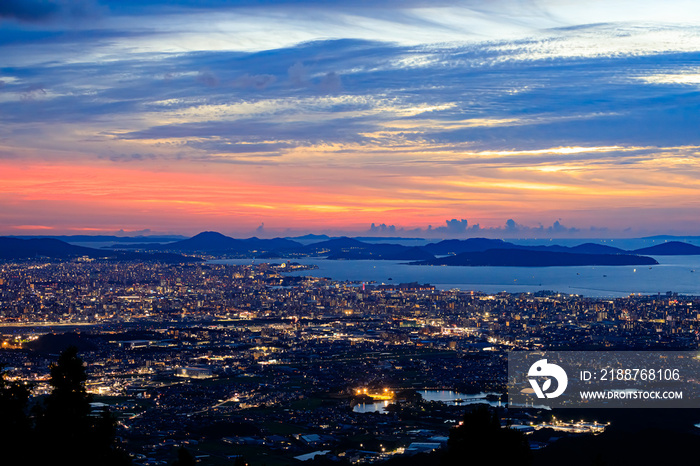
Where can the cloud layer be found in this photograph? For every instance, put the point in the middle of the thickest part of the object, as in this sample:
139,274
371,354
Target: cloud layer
331,117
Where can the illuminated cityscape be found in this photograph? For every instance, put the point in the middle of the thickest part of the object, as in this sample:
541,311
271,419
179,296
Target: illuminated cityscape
287,366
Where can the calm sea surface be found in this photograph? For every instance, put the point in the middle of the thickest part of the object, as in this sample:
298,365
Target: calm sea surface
680,274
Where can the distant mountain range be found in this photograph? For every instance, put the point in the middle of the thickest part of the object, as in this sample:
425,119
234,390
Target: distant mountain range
456,246
469,252
349,248
14,248
532,258
211,241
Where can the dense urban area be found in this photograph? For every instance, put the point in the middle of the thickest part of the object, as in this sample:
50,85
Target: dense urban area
248,363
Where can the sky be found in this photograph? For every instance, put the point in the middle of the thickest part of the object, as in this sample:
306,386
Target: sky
505,118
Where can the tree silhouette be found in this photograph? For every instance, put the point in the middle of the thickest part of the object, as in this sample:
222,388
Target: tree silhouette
481,440
184,458
67,408
15,426
66,427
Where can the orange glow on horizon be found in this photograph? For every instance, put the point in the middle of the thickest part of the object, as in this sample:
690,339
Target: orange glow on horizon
78,197
98,199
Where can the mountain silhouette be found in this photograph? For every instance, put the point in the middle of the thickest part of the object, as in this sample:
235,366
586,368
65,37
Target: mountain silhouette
672,248
14,248
213,242
528,258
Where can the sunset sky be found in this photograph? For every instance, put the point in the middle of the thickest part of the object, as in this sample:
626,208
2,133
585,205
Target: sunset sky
567,118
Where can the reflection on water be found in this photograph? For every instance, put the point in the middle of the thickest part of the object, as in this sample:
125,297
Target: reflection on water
448,397
461,399
375,407
444,396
